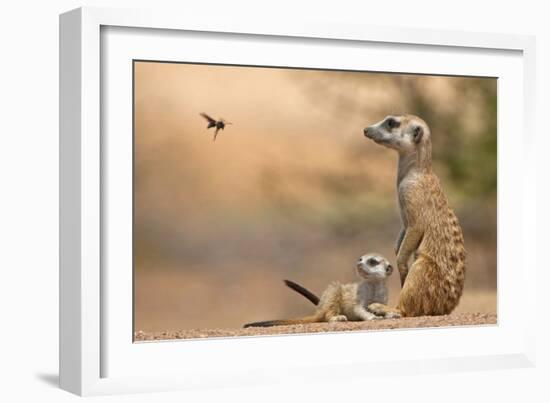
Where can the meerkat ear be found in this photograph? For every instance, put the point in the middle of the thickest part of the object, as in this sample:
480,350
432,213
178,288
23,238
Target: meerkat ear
417,134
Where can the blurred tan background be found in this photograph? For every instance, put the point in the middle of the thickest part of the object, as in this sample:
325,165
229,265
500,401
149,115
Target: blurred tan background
292,189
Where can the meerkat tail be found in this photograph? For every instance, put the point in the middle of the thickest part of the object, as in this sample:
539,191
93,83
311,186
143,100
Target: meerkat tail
282,322
302,291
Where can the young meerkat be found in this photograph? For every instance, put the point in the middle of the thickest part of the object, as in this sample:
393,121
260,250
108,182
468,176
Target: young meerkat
343,302
431,232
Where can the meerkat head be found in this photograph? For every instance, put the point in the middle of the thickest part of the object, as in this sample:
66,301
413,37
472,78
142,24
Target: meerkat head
406,134
373,267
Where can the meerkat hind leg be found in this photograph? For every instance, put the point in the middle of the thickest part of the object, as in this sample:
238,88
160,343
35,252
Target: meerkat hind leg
417,298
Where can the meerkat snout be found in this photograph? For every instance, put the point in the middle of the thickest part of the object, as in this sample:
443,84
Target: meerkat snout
369,132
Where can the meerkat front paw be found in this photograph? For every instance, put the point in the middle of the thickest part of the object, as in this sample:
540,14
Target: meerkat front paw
338,318
377,309
383,311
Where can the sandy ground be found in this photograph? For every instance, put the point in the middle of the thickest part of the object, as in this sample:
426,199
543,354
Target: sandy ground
455,319
172,300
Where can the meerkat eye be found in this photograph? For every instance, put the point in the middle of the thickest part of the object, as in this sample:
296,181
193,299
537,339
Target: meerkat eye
392,123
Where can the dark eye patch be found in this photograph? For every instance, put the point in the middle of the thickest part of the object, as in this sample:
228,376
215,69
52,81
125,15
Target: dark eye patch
392,123
372,261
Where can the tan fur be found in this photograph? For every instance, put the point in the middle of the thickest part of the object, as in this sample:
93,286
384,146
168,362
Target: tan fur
431,235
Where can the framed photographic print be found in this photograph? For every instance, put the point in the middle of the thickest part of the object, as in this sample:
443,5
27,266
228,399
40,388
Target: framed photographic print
233,193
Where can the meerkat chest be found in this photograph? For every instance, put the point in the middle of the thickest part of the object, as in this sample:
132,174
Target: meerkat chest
411,193
408,185
368,293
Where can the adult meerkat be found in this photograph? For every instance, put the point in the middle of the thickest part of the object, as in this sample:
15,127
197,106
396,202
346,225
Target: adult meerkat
343,302
430,232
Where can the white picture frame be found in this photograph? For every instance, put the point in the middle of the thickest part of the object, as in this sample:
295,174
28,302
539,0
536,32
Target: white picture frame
97,355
